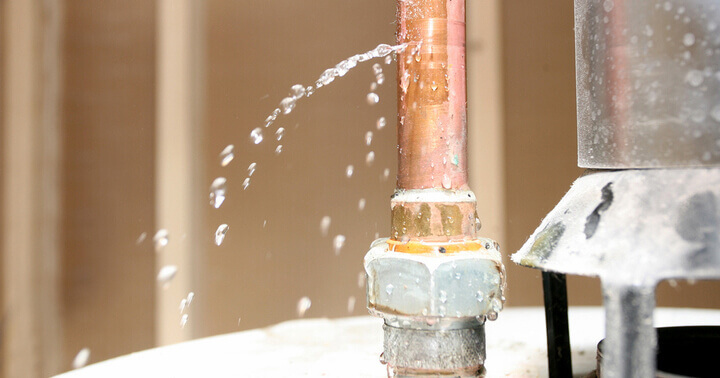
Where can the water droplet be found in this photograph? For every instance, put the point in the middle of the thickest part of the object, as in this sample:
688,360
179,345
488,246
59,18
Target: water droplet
141,238
372,98
256,135
303,305
246,183
325,225
479,296
496,305
309,90
694,78
351,305
183,304
667,6
81,358
279,133
443,296
217,192
161,239
190,297
370,158
297,91
361,204
446,182
492,316
689,39
220,233
380,78
368,137
381,122
183,320
386,173
338,243
349,171
648,31
287,105
388,59
361,280
251,168
227,155
608,5
166,274
478,224
377,68
373,87
389,289
278,149
715,113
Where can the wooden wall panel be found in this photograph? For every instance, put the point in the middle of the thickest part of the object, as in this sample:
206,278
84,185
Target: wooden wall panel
108,169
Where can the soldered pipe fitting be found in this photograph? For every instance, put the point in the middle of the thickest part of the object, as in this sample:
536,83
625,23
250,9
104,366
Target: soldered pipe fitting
434,281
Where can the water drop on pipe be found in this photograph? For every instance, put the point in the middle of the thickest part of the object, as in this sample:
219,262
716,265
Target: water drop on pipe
217,192
446,182
303,305
220,234
227,155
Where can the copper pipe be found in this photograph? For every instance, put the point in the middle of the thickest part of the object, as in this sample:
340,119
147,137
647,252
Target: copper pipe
432,126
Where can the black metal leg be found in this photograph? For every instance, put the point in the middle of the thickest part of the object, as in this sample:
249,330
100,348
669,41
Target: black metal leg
556,319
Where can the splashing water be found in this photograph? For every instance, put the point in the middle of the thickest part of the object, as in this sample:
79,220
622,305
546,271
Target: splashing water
279,133
190,297
251,168
349,171
361,204
227,155
361,280
325,225
166,274
368,138
370,158
183,304
256,135
217,192
161,239
246,183
81,358
278,149
303,305
381,122
386,173
338,243
220,234
141,238
373,98
351,305
183,320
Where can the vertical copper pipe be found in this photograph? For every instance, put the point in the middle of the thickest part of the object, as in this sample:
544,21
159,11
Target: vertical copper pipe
432,126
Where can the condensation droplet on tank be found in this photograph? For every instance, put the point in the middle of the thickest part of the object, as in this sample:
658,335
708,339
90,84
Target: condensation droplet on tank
256,135
246,183
361,204
251,168
303,305
81,358
227,155
381,122
372,98
370,158
325,225
349,171
161,239
220,234
279,133
338,243
278,149
166,274
368,138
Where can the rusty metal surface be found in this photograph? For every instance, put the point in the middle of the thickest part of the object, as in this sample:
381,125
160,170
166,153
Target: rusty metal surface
432,132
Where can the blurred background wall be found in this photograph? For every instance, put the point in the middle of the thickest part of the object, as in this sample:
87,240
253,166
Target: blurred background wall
113,117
